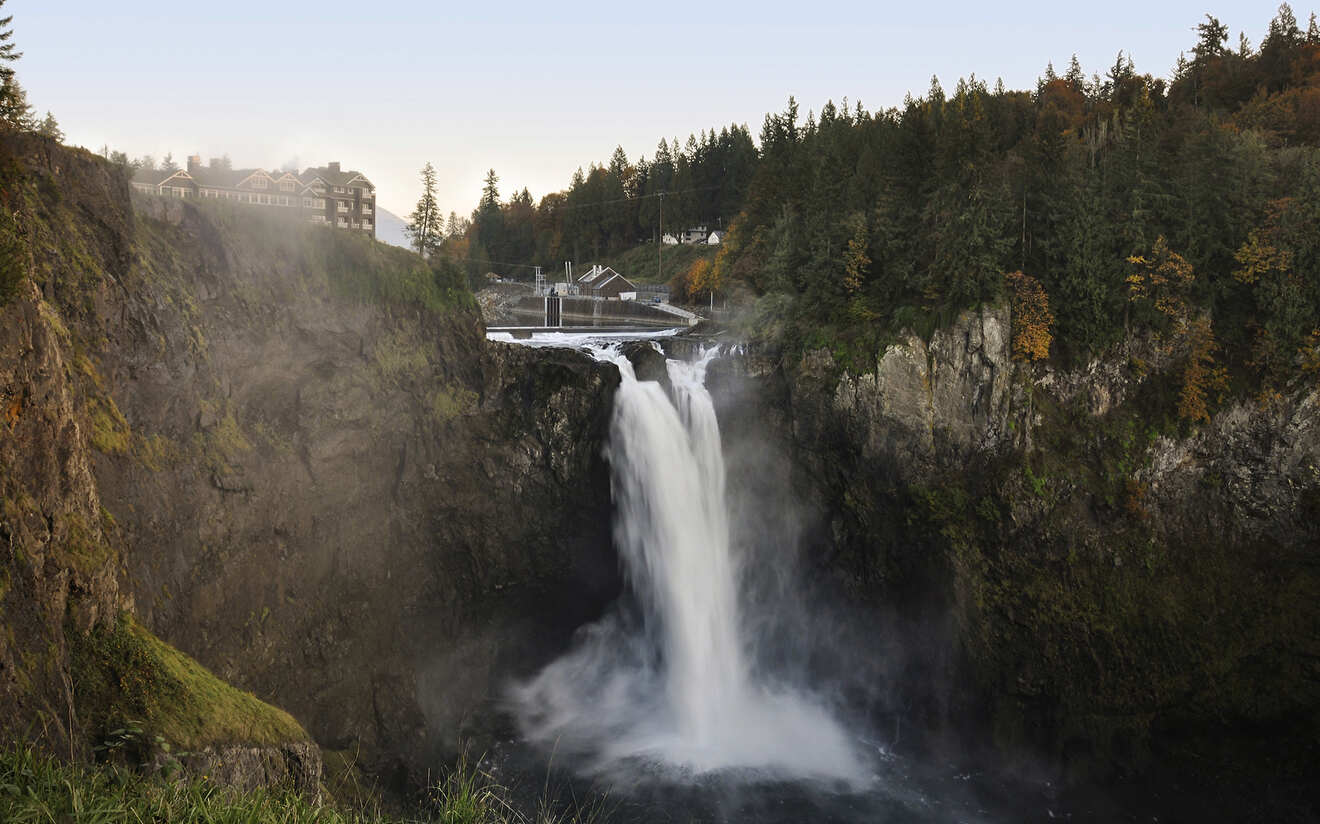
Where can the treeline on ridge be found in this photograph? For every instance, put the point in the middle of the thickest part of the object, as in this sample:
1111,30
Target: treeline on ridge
609,208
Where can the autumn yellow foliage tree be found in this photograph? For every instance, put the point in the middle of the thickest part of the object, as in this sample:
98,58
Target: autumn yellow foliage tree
1163,279
700,278
1200,376
1278,294
1310,354
1032,319
1258,258
730,248
856,260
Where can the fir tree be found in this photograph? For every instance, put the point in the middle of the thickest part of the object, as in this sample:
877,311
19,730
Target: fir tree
7,53
15,111
424,222
1075,77
50,128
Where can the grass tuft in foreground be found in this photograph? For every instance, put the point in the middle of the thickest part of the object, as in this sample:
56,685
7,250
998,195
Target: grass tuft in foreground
35,787
38,788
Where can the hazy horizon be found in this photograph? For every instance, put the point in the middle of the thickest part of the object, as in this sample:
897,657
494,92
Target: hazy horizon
531,92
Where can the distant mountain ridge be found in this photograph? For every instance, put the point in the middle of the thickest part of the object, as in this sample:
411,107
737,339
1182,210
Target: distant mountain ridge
390,229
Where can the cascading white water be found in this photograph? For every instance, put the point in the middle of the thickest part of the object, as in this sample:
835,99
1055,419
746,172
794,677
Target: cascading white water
678,690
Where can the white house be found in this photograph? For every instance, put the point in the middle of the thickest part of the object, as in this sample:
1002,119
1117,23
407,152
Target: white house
715,238
697,234
669,240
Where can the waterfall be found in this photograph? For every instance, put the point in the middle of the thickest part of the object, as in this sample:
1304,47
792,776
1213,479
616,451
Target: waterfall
670,684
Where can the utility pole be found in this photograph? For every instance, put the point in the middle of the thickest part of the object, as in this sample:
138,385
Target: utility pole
660,247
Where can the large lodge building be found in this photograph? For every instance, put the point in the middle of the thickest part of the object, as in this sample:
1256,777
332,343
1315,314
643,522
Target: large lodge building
321,195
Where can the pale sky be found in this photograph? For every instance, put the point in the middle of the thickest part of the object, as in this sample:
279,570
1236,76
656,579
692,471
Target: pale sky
531,90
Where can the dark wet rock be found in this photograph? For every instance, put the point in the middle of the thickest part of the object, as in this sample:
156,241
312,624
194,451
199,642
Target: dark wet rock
648,363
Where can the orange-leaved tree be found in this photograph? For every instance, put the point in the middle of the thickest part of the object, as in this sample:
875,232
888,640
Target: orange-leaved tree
699,280
1032,318
856,260
1201,376
1164,280
1310,353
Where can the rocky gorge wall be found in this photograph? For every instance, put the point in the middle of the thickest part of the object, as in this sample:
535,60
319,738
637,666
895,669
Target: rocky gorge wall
76,669
1069,574
316,476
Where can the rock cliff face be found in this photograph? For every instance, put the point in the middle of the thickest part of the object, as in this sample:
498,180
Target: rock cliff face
927,405
72,664
364,512
325,484
1072,573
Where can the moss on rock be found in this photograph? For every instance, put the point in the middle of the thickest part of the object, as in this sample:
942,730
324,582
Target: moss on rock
125,674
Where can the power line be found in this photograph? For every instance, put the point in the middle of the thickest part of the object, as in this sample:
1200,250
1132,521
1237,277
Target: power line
636,198
488,262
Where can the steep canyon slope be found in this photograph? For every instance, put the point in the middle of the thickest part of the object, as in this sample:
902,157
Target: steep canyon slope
306,466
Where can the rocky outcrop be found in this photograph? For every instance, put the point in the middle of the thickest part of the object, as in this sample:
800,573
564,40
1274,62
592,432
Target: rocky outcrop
924,405
296,766
59,568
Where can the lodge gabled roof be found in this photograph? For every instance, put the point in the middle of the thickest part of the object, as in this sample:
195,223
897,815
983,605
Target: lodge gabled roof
221,178
213,177
333,178
248,174
156,177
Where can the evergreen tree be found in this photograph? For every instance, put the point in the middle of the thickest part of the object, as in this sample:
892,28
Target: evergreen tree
488,224
490,193
1075,77
50,128
658,182
7,53
1213,36
15,111
424,222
